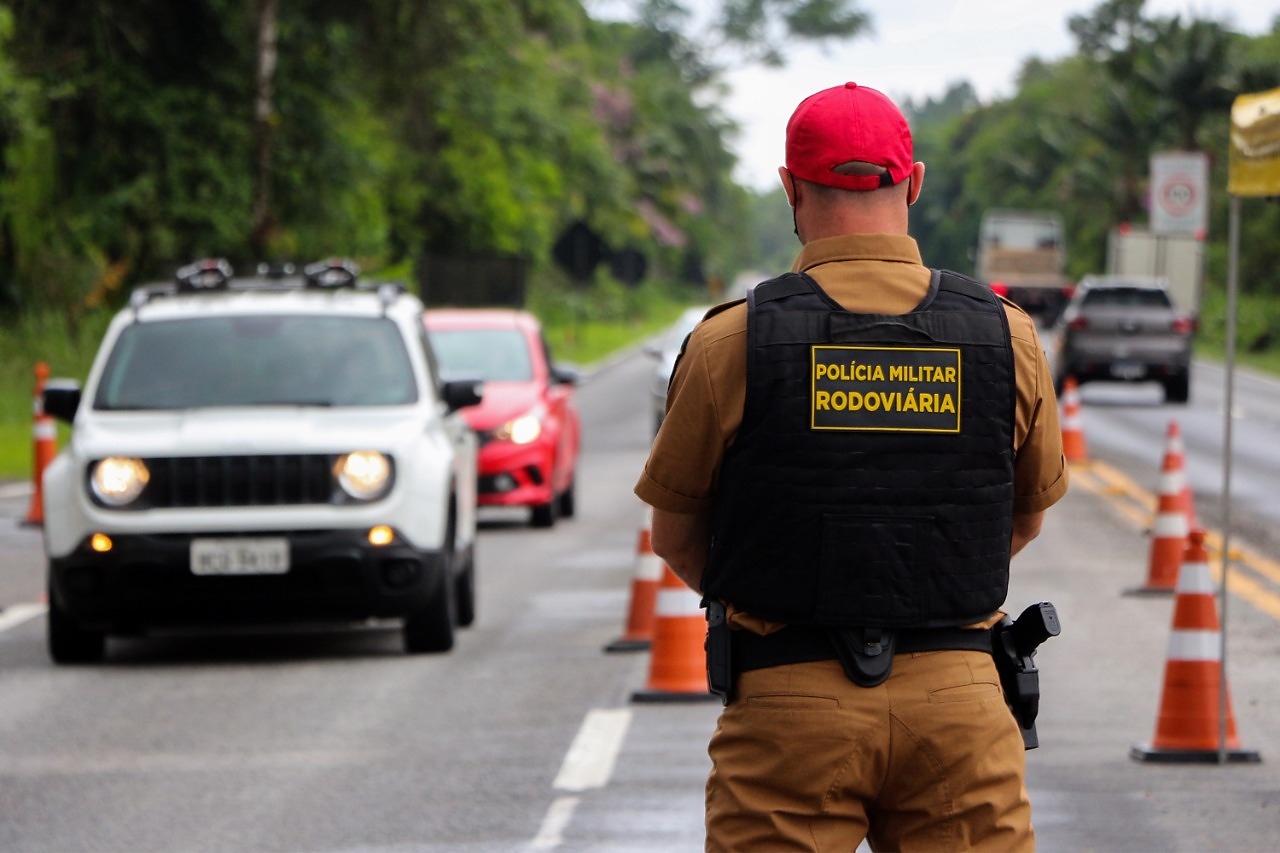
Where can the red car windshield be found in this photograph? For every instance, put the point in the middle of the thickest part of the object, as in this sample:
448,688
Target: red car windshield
494,355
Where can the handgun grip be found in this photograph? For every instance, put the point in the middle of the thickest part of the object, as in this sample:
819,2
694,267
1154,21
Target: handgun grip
1036,624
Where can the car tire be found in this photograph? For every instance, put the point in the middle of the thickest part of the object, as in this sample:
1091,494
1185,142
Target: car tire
568,502
430,630
70,643
544,515
1177,388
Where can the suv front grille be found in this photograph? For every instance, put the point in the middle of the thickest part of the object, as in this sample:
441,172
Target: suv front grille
214,481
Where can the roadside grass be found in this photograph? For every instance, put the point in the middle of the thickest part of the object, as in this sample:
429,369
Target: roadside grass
1257,330
67,347
582,327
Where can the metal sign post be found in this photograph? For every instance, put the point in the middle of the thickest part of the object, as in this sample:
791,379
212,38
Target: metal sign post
1253,170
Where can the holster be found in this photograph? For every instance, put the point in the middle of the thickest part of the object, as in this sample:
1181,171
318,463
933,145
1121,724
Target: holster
718,647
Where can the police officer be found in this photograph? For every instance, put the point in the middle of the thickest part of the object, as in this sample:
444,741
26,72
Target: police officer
849,459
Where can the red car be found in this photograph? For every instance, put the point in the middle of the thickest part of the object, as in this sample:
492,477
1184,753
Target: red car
527,421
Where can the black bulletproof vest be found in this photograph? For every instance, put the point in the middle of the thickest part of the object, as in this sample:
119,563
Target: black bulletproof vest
871,481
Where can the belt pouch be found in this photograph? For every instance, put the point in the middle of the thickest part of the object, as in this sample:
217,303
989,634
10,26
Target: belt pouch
865,653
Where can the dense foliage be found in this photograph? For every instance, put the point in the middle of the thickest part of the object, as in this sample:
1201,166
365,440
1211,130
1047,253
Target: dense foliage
136,135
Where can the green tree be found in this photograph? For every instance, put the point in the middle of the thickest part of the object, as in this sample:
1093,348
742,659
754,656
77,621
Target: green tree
22,140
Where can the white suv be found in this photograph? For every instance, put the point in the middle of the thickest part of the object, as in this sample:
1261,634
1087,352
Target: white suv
255,451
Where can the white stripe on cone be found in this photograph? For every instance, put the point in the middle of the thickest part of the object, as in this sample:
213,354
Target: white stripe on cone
648,567
1171,525
1194,579
1172,482
677,602
1199,646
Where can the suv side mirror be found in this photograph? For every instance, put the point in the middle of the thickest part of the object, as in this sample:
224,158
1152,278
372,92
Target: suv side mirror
459,394
61,399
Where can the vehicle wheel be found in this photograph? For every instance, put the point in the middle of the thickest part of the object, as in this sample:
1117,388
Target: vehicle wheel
431,628
1177,388
544,515
568,501
68,642
466,592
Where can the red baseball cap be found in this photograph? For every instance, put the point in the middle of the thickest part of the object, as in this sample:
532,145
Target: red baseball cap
844,124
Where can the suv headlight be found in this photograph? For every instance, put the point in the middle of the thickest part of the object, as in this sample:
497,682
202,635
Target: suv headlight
364,475
118,480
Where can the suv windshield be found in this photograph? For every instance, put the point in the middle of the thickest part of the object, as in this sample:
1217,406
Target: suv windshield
258,360
495,355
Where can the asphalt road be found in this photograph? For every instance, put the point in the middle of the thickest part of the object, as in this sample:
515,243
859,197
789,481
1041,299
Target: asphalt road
526,736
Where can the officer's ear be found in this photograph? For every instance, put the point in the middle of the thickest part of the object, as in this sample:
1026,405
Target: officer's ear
914,181
788,185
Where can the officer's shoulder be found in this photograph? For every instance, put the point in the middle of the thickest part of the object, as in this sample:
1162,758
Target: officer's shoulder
723,320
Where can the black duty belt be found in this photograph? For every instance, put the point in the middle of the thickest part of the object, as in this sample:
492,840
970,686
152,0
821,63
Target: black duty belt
803,645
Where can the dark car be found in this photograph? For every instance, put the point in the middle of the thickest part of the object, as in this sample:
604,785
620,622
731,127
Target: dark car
1125,329
528,422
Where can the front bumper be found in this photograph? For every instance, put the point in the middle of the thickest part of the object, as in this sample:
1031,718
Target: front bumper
1130,363
515,475
334,575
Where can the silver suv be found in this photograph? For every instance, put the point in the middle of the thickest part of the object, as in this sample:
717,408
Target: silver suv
256,451
1125,329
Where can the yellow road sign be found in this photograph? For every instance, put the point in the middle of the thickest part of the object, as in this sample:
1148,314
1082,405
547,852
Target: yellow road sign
1254,163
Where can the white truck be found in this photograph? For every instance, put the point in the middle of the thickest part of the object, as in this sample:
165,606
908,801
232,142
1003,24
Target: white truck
1177,259
1022,255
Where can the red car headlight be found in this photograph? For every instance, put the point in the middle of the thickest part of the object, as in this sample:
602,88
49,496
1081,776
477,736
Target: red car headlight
522,430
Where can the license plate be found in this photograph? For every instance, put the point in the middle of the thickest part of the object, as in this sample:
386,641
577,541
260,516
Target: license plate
1128,370
263,556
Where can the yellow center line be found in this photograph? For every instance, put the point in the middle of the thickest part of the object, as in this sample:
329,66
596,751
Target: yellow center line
1138,506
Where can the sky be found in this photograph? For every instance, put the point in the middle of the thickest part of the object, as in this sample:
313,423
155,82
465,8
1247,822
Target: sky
916,50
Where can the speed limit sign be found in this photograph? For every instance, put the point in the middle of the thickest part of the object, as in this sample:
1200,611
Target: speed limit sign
1180,193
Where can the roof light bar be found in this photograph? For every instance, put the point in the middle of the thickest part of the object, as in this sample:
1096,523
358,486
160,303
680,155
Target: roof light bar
331,272
205,274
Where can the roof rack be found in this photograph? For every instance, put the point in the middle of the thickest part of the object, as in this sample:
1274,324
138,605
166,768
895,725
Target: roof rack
204,274
331,272
215,274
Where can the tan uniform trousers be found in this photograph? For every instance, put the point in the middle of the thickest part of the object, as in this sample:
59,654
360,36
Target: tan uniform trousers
931,760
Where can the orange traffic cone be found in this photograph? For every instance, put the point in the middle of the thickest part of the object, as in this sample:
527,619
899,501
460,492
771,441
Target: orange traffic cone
1073,444
678,666
638,632
1189,727
45,433
1175,466
1169,532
